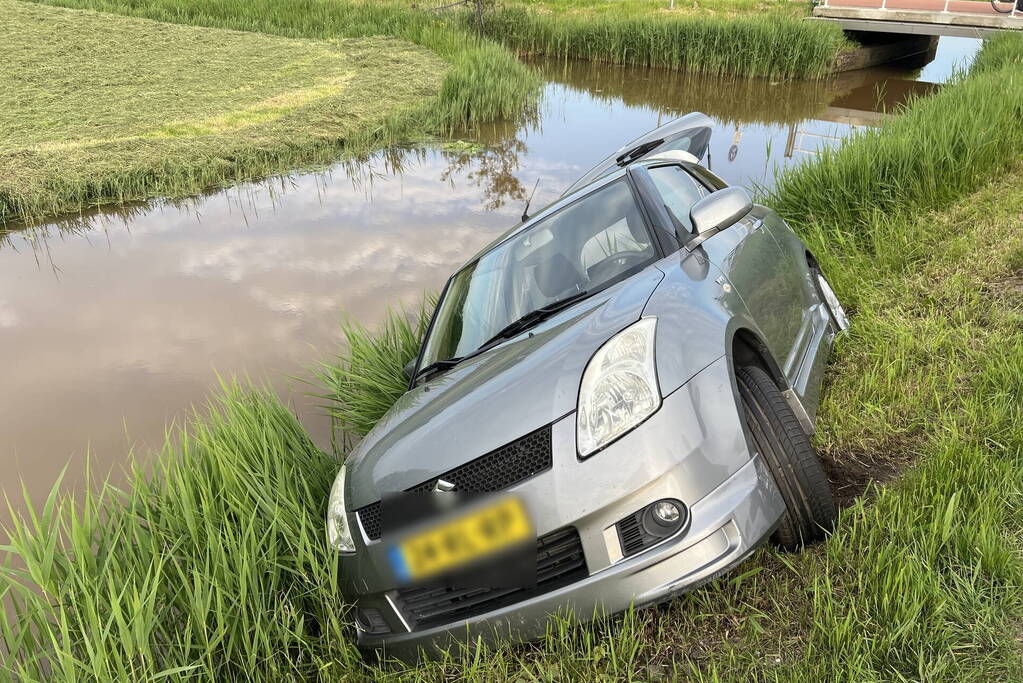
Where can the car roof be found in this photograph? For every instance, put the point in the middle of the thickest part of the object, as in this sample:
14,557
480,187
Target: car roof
692,124
609,170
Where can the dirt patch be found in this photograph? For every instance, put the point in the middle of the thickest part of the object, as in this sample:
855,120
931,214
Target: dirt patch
851,472
1010,286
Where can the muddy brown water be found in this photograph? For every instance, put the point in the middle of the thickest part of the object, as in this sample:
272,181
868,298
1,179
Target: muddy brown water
113,324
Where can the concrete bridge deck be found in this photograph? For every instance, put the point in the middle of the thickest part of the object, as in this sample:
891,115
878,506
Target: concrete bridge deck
964,18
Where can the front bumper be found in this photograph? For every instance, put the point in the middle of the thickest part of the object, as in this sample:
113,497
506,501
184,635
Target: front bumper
693,449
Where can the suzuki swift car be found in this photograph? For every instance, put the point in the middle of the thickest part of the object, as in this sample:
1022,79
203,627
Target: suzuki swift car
612,405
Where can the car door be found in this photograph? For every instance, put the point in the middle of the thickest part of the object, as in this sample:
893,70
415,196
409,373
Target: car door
751,260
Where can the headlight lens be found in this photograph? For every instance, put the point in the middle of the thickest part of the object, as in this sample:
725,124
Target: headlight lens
619,388
339,534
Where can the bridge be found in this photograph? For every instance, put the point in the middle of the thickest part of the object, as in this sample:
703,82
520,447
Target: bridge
963,18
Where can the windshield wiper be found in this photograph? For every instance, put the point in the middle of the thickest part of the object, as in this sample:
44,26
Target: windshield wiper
530,319
510,330
637,152
438,366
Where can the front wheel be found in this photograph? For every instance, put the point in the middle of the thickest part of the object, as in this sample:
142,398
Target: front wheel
1003,7
779,438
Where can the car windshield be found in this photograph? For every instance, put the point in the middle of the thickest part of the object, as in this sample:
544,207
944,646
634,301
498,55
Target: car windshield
580,248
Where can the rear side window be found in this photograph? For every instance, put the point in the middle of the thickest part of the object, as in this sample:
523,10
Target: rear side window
679,191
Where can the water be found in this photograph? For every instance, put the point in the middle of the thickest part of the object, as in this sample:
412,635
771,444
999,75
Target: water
113,325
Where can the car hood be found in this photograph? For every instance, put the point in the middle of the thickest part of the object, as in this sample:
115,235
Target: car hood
492,399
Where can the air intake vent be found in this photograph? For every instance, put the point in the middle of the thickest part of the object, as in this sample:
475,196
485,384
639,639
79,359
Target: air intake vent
559,562
495,471
651,525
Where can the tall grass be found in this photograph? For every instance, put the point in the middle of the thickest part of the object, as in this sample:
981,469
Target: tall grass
213,567
939,149
367,377
755,45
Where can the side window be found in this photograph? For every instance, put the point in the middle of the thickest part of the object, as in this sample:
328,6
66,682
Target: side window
679,191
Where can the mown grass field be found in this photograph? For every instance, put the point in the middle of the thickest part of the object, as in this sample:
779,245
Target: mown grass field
104,108
99,107
215,567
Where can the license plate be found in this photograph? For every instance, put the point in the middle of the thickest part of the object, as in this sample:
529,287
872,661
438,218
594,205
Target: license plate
460,541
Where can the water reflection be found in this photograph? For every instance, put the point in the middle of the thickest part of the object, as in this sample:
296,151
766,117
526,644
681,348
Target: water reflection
113,323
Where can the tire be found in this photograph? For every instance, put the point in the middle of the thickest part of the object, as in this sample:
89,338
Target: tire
998,7
779,438
839,318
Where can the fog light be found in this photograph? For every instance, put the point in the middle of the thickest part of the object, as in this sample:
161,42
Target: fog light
666,512
664,517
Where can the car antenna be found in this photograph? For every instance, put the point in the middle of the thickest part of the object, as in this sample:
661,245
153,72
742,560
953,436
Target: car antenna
525,211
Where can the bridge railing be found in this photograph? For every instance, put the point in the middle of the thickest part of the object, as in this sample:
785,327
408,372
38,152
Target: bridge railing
945,10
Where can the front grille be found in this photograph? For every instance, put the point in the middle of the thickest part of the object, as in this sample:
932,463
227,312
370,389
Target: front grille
495,471
559,562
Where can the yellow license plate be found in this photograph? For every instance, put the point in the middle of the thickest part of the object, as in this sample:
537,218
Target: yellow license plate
463,540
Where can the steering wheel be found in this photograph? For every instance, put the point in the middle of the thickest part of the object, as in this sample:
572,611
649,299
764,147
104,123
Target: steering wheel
614,264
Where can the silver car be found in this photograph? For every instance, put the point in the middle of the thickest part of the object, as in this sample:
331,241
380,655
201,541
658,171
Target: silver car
612,405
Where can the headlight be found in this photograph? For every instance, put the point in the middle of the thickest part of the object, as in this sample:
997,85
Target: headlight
339,534
619,388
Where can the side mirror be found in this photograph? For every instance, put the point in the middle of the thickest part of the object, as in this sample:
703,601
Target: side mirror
719,210
409,368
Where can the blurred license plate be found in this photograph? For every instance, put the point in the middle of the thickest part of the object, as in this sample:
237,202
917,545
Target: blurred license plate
459,541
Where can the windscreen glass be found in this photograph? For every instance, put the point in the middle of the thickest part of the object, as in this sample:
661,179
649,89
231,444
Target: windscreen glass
581,248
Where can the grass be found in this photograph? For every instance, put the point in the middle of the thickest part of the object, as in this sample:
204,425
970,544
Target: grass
486,82
201,107
751,45
101,107
367,378
939,148
663,8
213,567
216,568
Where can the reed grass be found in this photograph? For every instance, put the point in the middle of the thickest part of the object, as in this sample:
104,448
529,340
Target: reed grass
754,45
938,149
212,567
367,377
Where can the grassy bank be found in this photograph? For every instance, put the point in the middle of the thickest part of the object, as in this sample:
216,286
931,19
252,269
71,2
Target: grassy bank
100,107
151,109
213,567
942,147
217,568
756,45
